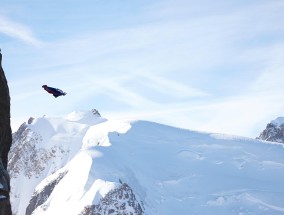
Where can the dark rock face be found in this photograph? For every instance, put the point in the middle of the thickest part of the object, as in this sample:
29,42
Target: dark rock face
25,157
272,132
120,201
96,112
5,143
39,197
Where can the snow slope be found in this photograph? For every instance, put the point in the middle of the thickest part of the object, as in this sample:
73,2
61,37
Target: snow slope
168,170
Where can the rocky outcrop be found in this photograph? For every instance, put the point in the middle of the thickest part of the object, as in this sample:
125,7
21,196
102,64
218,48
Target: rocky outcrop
5,143
25,155
96,112
39,197
31,159
274,131
120,201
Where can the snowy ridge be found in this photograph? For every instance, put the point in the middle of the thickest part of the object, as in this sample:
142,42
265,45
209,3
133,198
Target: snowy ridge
116,167
278,121
40,148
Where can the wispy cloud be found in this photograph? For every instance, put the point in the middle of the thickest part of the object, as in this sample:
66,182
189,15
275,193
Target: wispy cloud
271,75
212,66
18,31
171,87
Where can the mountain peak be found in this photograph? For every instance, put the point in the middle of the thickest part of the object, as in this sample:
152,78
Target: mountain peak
278,121
274,131
86,117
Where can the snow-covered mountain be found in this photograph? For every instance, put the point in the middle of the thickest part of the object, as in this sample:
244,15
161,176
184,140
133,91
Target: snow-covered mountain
85,164
274,131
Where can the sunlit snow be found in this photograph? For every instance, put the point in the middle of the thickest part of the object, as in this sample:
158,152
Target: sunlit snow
171,170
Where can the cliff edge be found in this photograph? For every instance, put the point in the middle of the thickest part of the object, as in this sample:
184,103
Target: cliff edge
5,143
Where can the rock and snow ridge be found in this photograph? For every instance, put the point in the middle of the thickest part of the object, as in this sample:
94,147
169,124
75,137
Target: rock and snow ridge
85,164
274,131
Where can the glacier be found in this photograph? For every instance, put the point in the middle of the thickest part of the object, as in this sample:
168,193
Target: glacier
83,164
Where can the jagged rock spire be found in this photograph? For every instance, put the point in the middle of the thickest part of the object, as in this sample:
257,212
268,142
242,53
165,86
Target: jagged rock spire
5,143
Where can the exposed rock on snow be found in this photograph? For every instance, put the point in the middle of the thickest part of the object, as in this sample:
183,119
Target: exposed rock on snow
120,201
26,156
40,196
274,131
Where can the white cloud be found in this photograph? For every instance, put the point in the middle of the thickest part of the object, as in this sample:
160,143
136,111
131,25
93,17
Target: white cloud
201,66
271,76
17,30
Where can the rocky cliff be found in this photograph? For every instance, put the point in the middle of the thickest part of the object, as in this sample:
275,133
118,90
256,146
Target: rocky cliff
274,131
119,201
5,143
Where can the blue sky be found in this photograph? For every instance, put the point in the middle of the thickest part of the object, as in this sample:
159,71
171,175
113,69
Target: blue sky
204,65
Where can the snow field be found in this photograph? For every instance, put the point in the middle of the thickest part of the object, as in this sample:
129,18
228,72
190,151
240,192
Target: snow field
170,170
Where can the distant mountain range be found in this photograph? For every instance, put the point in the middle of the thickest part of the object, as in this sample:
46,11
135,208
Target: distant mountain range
84,164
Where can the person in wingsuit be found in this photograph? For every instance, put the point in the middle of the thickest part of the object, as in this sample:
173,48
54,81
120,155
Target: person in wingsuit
54,91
